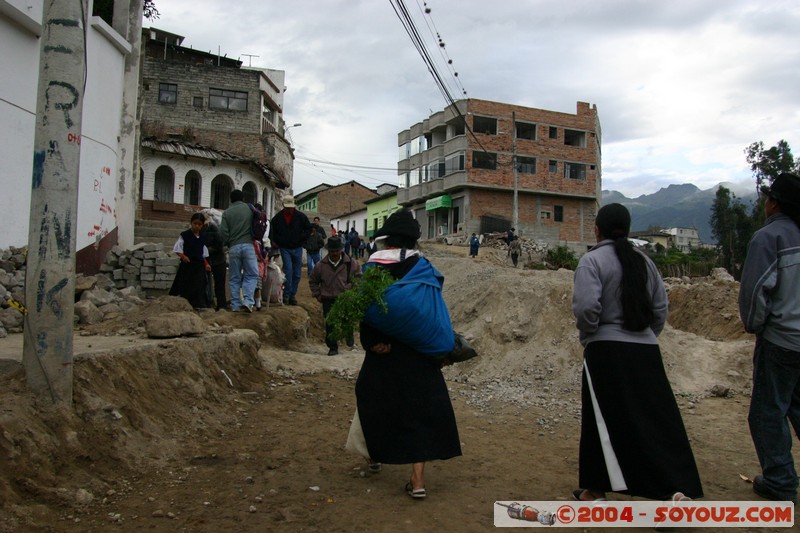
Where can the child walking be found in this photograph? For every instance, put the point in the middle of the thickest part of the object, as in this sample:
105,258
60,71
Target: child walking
190,280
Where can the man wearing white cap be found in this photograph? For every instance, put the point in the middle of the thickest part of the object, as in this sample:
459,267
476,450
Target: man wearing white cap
288,230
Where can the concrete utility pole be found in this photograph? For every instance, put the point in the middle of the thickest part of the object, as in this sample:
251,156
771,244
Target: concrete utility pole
50,278
515,209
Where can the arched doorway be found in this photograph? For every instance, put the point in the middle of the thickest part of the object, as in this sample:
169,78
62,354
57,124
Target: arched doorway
250,193
221,187
165,184
265,200
191,188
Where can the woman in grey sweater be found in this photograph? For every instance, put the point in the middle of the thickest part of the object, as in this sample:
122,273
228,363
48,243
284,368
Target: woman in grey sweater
632,436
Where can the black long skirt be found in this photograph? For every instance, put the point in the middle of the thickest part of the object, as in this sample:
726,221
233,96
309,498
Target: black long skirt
633,440
405,408
191,283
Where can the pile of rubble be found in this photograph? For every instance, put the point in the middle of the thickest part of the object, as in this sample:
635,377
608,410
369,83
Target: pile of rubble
12,288
146,265
531,247
98,298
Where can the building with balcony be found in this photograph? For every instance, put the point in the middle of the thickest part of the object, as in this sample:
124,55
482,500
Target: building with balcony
208,126
460,167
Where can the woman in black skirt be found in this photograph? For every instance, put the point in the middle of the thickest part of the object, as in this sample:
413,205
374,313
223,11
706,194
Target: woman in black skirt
632,436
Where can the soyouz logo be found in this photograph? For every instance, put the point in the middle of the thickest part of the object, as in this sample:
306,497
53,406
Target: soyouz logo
643,514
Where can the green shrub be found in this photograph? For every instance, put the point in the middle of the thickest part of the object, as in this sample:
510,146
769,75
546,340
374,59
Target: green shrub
561,257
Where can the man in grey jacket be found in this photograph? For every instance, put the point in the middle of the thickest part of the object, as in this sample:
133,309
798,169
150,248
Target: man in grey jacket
332,276
237,234
769,305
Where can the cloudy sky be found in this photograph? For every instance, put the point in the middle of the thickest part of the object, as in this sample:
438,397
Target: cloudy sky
681,86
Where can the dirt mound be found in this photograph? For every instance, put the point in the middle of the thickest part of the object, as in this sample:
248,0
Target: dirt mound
130,407
707,308
521,322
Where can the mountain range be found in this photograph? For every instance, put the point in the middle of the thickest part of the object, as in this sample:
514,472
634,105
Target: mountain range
684,206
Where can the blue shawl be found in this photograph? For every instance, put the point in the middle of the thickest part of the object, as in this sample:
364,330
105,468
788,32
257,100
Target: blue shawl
417,314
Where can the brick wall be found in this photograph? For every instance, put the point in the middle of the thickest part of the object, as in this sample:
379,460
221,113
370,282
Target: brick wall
343,199
578,215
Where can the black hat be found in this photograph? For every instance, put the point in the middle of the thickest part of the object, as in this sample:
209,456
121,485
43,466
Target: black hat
401,224
785,189
334,244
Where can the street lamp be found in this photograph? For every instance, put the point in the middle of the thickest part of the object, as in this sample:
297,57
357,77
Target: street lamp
287,128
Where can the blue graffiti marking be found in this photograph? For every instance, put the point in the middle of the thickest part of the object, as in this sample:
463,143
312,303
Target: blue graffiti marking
52,302
44,233
38,169
63,22
41,344
40,291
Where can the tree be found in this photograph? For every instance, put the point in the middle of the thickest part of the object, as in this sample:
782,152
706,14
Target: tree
105,10
150,11
768,164
732,226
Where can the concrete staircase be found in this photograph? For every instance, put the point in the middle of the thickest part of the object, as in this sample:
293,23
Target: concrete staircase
157,231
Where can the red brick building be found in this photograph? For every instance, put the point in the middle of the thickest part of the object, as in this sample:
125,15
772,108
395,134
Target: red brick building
459,170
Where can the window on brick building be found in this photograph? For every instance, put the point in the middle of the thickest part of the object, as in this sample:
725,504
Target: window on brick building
197,101
224,99
552,166
526,131
558,213
526,165
553,132
575,138
575,171
167,93
545,215
485,125
486,160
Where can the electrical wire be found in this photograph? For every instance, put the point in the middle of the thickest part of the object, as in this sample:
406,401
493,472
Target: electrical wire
442,47
408,24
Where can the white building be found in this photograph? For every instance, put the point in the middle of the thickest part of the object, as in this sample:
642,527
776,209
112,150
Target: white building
106,185
684,239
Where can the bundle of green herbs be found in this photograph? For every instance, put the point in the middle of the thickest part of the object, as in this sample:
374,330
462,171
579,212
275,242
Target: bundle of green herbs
350,306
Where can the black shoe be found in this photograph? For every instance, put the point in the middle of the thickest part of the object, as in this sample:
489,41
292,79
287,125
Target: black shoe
333,351
760,488
292,301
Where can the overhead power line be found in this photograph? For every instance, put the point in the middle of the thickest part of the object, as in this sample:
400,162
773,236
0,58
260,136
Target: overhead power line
410,27
345,165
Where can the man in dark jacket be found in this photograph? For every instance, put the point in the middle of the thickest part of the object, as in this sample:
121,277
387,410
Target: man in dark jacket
314,243
331,277
288,230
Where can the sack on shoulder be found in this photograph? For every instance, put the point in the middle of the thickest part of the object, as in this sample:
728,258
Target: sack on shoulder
462,351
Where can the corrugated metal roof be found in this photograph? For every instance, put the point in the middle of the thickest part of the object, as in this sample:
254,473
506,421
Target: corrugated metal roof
204,152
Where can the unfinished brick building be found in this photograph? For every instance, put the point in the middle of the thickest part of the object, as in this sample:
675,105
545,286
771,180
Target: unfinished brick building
460,167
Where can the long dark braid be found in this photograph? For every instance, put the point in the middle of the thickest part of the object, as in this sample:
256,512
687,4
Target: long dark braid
614,222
